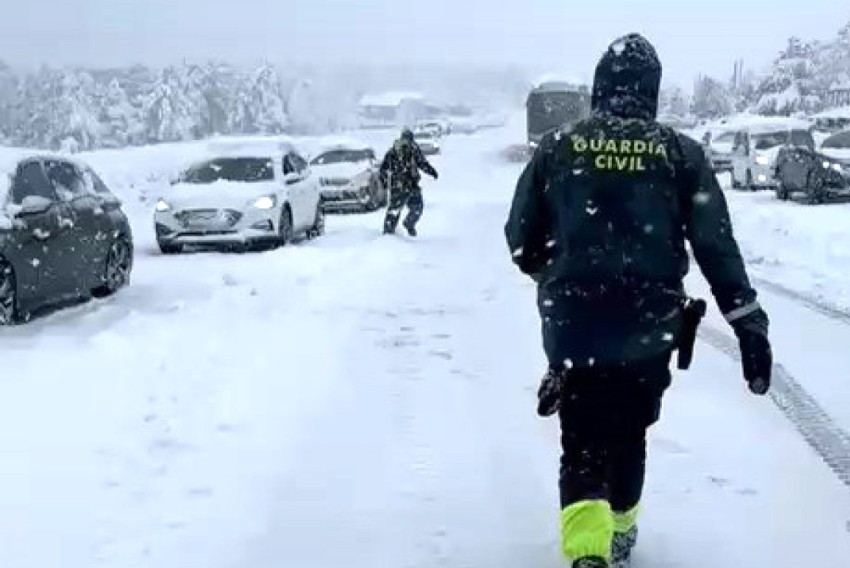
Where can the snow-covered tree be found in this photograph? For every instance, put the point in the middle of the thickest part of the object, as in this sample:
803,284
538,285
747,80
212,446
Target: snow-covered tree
169,113
792,86
259,104
675,101
712,99
122,122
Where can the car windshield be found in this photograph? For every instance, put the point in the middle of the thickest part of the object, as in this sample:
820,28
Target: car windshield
840,140
230,169
342,156
794,138
770,140
726,138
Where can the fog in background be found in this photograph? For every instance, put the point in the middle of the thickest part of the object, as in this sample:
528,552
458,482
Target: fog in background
563,36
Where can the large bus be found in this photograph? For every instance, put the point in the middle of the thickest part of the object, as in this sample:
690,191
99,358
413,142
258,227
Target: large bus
554,104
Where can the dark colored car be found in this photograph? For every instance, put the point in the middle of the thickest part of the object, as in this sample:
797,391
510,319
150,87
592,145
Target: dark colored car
815,175
63,236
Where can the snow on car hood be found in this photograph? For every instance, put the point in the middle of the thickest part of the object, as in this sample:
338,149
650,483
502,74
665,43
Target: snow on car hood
218,195
340,170
721,147
770,153
839,154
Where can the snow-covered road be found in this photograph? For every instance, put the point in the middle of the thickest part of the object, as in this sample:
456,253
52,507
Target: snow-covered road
368,401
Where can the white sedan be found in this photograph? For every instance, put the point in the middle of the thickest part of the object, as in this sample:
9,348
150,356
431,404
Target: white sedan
240,200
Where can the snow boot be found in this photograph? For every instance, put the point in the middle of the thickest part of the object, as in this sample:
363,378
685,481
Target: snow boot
590,562
411,230
621,547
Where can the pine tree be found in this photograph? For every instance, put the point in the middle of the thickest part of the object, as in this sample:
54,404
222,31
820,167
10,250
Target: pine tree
712,99
168,113
258,107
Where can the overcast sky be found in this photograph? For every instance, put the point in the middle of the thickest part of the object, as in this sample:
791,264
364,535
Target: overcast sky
566,36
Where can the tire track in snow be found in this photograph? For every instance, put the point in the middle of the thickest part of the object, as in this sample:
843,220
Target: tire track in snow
813,303
809,301
821,432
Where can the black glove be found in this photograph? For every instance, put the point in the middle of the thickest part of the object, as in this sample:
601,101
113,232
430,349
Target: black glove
549,393
436,175
756,354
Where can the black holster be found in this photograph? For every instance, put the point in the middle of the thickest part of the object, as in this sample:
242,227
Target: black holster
693,312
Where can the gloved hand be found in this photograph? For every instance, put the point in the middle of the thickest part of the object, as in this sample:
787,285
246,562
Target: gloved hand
756,353
549,393
436,175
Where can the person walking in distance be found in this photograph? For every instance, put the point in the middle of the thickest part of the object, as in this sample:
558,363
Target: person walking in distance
599,220
400,173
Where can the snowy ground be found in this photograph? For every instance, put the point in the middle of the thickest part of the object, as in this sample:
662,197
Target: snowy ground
367,401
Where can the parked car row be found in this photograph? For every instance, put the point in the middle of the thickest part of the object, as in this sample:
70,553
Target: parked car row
64,234
781,154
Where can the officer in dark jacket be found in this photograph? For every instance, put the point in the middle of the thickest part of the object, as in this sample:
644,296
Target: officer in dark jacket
599,220
400,172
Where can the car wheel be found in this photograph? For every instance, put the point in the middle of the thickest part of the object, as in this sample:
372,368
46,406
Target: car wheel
318,228
168,248
374,202
119,263
782,193
8,295
285,228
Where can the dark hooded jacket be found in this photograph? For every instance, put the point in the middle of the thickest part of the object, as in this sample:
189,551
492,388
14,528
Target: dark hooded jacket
600,217
400,167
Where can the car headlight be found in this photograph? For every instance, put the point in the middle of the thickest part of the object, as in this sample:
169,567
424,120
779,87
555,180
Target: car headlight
265,202
826,165
763,160
837,167
162,206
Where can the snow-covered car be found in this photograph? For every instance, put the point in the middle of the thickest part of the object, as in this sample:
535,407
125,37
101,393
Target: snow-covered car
238,199
349,179
676,121
63,235
837,146
719,150
436,128
756,147
428,143
814,174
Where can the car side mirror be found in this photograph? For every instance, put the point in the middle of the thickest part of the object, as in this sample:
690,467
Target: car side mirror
291,178
34,205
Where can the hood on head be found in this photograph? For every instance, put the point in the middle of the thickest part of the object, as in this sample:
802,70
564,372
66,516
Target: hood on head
628,79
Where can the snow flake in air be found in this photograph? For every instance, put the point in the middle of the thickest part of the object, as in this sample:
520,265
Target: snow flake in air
518,252
551,244
668,337
35,263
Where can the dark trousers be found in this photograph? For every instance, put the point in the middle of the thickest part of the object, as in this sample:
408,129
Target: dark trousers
399,198
604,415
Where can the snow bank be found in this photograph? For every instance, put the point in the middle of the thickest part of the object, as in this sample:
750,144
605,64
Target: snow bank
802,247
840,112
